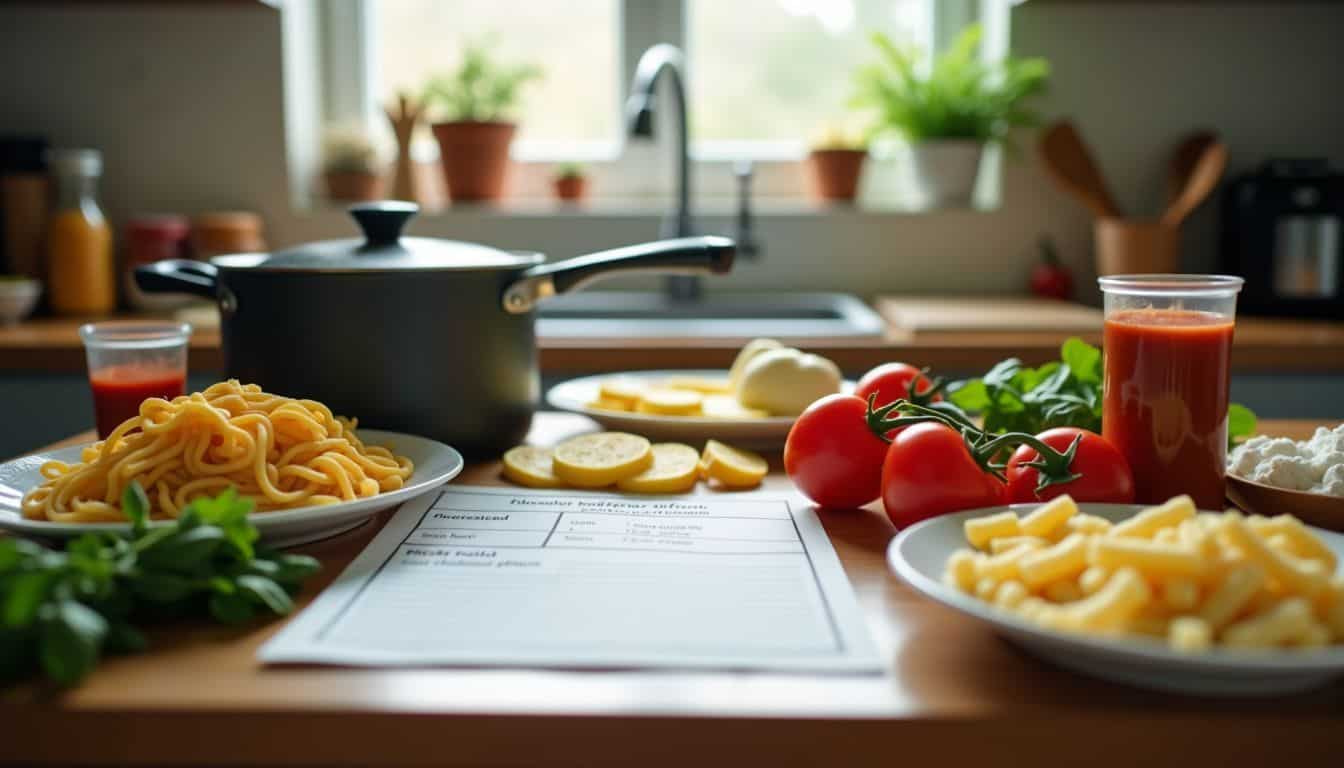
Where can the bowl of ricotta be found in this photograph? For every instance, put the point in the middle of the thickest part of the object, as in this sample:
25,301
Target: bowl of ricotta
1303,478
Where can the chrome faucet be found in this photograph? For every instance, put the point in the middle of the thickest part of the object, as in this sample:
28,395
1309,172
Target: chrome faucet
639,115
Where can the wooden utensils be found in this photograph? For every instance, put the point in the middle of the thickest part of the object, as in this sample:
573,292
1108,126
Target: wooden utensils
1208,169
1183,160
403,117
1070,164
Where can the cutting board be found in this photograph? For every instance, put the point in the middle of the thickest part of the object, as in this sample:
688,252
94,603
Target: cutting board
986,313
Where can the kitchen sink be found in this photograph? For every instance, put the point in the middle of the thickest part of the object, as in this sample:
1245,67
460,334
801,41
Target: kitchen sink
648,314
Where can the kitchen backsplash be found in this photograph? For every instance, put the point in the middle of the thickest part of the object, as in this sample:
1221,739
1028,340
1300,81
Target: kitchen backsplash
196,121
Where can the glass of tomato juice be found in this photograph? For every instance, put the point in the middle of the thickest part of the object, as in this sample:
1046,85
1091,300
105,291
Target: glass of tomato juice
1168,346
131,362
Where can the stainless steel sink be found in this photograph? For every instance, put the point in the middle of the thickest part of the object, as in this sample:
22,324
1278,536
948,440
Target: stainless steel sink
612,313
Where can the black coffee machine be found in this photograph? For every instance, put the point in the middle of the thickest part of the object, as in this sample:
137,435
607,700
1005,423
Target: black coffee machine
1281,230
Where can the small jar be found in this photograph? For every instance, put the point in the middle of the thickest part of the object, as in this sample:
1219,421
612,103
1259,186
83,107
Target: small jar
219,233
82,278
150,239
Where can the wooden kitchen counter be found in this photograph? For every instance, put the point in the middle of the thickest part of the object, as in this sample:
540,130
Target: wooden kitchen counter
1261,345
952,692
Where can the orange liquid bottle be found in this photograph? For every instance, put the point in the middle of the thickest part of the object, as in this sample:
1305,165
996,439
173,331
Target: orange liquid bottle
81,272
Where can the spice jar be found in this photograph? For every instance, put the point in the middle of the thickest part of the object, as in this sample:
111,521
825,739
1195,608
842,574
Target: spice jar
24,199
218,233
149,239
82,276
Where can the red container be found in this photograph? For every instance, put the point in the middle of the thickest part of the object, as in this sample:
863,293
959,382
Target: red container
150,239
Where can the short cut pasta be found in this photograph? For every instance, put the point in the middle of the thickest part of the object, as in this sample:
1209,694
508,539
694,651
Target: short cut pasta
278,452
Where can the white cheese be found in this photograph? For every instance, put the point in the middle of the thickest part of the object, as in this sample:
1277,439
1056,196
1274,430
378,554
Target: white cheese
785,381
1315,465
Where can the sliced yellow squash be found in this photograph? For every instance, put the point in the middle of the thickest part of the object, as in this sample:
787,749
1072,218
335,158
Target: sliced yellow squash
531,466
701,384
601,459
676,468
727,407
670,402
733,467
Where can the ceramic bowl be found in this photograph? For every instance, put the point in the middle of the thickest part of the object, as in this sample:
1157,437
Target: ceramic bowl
1311,508
18,298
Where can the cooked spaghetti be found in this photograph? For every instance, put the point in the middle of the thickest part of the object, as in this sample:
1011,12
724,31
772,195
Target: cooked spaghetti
277,451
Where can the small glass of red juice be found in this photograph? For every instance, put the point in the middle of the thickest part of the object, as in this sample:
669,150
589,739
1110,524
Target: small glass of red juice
131,362
1168,347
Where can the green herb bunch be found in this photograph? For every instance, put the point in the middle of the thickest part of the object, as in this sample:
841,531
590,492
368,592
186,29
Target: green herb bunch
1012,397
61,611
481,89
960,98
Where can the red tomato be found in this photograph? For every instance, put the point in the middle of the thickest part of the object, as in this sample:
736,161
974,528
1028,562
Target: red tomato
1106,476
1051,280
891,382
928,472
832,455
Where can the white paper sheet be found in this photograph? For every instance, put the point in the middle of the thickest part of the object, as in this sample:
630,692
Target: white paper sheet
512,577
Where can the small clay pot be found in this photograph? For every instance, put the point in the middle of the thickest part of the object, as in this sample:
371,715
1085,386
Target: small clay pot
570,188
353,185
475,157
836,172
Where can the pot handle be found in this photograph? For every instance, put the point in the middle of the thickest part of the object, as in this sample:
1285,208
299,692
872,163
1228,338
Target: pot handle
686,256
178,276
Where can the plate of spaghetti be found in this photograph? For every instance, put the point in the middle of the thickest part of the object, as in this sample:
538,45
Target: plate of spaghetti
309,474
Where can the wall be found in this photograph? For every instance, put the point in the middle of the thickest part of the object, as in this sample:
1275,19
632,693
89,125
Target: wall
187,104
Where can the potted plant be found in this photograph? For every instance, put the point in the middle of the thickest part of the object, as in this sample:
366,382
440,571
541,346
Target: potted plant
570,182
350,165
949,114
472,129
835,163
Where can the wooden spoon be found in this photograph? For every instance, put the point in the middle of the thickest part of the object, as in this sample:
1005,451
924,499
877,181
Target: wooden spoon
1070,164
1208,170
1183,160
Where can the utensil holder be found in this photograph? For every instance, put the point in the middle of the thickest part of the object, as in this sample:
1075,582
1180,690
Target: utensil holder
1135,247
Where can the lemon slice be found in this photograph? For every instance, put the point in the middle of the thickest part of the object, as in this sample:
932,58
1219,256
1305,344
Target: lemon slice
670,402
733,467
676,468
598,460
609,404
727,407
623,388
701,384
531,466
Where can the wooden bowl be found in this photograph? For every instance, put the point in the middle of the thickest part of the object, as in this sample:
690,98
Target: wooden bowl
1311,508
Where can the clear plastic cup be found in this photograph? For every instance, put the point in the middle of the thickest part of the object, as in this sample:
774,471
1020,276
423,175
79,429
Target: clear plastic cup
1167,373
129,362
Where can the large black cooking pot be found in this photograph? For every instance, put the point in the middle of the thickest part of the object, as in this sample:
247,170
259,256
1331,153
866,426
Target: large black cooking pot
427,336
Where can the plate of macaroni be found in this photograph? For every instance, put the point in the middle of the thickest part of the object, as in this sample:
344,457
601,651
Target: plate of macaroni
1166,597
310,474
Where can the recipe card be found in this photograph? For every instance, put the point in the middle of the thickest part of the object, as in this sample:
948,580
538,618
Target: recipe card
512,577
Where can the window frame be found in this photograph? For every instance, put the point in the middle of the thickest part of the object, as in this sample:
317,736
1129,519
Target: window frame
347,95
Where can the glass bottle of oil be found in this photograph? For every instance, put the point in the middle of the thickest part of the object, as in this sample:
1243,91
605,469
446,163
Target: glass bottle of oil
81,273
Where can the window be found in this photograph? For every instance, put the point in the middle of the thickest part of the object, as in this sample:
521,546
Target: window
571,112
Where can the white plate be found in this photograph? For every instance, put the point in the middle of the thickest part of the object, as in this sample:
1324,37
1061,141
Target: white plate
575,395
435,464
918,553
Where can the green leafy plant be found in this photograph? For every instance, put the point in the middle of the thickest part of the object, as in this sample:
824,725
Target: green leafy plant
961,97
482,89
348,150
570,171
61,610
1012,397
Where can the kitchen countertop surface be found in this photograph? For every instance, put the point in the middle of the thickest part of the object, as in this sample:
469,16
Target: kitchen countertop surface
1261,345
951,691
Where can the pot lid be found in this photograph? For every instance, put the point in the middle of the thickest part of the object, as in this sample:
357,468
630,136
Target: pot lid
383,249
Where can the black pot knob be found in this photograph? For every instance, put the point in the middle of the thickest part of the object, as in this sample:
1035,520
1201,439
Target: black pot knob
382,220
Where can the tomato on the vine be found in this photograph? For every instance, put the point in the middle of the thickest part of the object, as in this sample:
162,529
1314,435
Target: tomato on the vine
1105,476
891,382
929,472
833,456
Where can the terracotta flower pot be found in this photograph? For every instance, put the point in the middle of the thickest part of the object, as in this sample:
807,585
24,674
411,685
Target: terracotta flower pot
571,188
475,156
353,185
836,172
